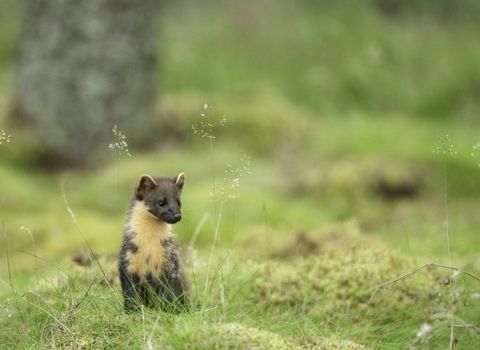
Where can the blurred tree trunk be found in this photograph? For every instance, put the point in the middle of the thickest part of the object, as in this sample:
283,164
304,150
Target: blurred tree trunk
84,67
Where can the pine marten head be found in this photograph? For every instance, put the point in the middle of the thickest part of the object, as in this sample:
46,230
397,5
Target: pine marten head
161,196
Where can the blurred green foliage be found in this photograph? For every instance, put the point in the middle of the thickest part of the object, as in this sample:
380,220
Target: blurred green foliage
325,95
339,104
414,57
331,56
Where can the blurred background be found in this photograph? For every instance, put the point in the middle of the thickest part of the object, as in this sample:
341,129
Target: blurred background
338,104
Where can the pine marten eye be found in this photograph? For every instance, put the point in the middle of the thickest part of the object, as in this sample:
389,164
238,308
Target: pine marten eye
179,203
161,203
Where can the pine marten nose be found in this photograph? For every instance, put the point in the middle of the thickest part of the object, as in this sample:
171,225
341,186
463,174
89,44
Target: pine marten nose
177,216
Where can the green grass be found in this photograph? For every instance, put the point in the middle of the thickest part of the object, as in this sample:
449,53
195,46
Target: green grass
302,247
331,102
332,58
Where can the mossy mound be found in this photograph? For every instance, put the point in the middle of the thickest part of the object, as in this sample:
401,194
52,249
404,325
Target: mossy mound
330,343
372,176
284,246
238,336
340,283
227,336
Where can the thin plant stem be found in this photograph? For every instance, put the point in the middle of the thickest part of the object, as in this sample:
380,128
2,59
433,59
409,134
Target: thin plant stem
197,230
214,189
118,184
9,268
267,243
234,213
418,269
143,324
451,284
446,148
216,236
34,251
149,344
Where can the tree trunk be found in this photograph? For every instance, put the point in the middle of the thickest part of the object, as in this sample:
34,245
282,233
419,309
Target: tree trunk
84,67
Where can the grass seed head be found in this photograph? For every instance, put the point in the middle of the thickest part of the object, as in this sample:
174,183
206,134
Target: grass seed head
121,145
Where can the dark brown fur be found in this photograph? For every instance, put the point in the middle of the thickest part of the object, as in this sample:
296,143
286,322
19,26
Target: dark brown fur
150,269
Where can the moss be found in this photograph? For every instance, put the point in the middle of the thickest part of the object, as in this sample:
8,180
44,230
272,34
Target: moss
238,336
375,176
342,235
329,343
339,283
229,336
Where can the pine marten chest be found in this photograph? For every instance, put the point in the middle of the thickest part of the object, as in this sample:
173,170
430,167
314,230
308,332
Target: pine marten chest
148,237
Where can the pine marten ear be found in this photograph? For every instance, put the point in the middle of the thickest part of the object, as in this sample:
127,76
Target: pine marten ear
145,183
179,181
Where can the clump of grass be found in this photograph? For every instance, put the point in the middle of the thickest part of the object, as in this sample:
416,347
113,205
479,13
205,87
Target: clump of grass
329,277
332,342
227,335
202,333
63,306
90,254
337,285
65,313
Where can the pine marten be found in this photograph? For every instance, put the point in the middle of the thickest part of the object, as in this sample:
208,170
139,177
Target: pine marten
150,269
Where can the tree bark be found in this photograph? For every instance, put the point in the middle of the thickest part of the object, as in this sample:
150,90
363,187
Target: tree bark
85,66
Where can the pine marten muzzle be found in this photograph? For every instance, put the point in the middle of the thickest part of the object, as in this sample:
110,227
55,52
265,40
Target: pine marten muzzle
150,269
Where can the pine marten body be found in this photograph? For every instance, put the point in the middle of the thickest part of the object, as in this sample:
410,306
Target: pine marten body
150,269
